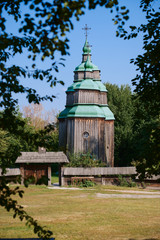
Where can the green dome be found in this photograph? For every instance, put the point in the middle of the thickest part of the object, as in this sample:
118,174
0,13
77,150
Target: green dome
86,110
86,48
87,84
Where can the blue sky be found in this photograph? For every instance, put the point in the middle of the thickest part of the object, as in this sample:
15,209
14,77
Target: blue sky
111,54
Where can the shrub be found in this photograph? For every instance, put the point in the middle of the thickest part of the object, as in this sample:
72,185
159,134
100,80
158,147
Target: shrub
123,182
29,180
87,183
84,160
42,180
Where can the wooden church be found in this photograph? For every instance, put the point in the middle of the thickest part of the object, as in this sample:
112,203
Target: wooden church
87,124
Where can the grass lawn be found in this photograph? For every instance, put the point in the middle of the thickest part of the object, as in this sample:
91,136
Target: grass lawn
81,215
55,179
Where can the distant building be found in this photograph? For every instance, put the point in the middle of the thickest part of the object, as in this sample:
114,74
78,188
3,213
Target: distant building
87,123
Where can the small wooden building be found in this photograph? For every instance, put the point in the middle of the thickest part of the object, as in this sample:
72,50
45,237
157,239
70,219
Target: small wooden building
38,164
87,123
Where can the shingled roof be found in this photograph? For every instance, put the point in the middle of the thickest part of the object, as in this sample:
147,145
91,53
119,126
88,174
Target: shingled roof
47,157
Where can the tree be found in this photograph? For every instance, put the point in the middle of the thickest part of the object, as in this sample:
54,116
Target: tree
12,142
8,147
42,32
38,116
120,101
147,86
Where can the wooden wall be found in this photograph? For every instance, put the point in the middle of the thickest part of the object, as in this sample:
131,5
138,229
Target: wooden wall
35,170
96,74
100,141
62,132
86,96
87,74
109,144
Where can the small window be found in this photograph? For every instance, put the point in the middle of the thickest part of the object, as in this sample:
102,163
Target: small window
85,134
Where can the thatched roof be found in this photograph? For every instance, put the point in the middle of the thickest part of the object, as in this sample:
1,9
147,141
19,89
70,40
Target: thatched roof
47,157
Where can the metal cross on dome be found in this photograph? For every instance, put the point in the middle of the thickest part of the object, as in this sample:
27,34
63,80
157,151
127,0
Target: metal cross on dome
86,28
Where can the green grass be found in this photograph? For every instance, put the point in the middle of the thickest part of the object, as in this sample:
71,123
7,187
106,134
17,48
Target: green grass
80,215
54,179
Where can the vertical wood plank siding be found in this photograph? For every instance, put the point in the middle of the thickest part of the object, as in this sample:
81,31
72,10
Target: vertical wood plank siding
35,170
62,133
70,98
70,134
86,96
103,98
109,136
96,75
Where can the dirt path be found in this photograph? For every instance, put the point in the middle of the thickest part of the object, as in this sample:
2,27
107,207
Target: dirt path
101,195
117,193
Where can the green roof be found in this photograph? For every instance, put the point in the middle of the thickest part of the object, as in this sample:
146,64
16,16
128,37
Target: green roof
64,113
71,88
101,86
86,84
80,67
86,66
107,113
86,110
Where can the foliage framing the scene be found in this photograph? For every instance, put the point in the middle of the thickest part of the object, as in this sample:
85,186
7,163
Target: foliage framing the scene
42,33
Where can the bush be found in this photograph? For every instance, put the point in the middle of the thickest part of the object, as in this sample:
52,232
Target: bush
84,183
123,182
42,180
87,183
29,180
84,160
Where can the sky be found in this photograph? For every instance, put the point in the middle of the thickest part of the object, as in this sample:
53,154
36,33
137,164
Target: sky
111,54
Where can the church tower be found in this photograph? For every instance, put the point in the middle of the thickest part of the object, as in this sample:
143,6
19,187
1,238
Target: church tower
87,124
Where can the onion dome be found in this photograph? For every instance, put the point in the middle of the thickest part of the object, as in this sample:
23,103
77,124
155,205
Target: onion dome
86,48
